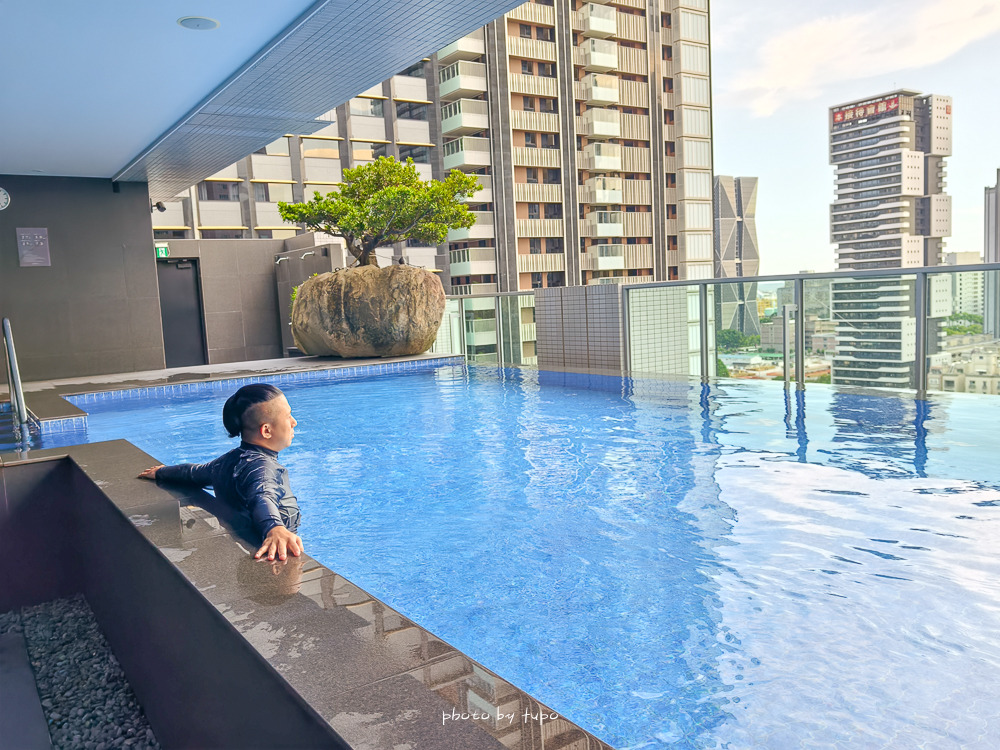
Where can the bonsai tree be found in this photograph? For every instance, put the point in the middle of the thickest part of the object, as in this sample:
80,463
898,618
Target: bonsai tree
385,202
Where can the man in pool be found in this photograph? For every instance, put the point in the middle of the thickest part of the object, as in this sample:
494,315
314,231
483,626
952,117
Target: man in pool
249,477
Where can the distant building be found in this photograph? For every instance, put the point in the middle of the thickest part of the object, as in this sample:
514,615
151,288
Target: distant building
966,288
890,211
977,371
991,254
736,253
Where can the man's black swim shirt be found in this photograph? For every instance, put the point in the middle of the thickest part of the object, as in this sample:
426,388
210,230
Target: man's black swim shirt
250,479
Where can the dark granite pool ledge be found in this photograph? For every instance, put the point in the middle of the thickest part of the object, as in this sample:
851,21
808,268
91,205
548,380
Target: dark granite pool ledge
223,651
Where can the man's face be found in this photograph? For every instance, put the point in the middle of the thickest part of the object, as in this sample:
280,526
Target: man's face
279,423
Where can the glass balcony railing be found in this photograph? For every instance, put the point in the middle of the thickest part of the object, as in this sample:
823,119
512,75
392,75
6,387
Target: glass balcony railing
930,330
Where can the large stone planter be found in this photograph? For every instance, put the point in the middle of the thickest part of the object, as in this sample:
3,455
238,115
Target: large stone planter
368,312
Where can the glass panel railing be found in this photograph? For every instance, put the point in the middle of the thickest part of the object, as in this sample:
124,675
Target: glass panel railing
664,334
963,332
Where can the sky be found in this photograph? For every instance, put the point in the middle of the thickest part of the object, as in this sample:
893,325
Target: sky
778,65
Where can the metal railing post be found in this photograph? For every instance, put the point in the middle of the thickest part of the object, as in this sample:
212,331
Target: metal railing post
14,377
920,312
703,329
626,353
786,348
800,334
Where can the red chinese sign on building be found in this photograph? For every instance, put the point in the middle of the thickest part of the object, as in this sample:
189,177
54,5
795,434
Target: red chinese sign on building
870,109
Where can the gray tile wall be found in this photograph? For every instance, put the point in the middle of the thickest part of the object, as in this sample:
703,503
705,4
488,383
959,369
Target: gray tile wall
96,309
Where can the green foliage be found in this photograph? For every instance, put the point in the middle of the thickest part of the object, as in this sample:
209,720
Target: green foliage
731,340
823,379
385,202
295,290
963,323
720,369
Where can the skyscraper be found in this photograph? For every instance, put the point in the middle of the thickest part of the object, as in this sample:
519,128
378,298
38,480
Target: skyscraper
736,253
890,211
590,124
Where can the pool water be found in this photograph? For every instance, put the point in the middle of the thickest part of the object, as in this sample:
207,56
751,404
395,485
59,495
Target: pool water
667,566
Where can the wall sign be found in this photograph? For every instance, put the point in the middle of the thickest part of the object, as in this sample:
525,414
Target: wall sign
33,246
162,250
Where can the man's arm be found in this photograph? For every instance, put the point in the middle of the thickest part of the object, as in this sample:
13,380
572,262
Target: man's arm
261,491
199,475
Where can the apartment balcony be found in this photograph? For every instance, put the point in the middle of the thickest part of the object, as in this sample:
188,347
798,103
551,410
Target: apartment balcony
481,230
602,157
461,80
602,191
528,332
534,85
534,13
599,21
532,49
604,258
467,153
620,280
465,116
541,262
485,195
537,193
603,224
472,261
599,55
539,122
536,157
600,89
600,123
464,289
467,48
539,227
638,256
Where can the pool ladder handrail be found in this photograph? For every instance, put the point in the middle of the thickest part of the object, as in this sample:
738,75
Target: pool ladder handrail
14,389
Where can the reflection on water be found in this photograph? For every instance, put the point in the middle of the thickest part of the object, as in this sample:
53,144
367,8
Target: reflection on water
668,565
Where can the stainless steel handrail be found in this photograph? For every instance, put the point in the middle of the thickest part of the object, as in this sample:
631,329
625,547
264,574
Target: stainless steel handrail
14,377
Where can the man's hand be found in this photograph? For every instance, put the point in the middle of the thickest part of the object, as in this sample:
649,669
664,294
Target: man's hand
278,542
150,473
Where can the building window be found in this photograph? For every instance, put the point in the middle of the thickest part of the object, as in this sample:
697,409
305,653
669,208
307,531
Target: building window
527,67
553,244
536,281
367,107
264,234
528,103
275,148
535,245
534,211
546,104
222,234
411,111
553,210
550,140
555,278
532,175
545,34
212,190
419,154
264,192
669,149
547,70
169,234
362,151
531,140
525,31
552,177
320,148
414,71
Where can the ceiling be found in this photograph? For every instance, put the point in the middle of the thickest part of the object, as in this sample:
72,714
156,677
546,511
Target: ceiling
122,91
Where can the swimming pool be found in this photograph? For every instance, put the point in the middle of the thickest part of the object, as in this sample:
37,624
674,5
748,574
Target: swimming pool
666,566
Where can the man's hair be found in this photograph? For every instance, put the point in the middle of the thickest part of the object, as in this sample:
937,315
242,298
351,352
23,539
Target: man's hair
241,402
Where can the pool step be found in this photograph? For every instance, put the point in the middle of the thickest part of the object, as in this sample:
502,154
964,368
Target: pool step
22,722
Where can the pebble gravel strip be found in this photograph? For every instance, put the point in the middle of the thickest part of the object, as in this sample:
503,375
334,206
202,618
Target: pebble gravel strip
88,704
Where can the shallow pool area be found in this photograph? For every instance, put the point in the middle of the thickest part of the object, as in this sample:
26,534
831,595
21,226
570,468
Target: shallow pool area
666,565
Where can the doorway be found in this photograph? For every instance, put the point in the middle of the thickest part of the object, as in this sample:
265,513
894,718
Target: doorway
180,309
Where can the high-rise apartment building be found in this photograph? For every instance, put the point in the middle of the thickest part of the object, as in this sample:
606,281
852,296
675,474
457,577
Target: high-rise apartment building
991,254
736,253
966,288
395,118
890,211
590,123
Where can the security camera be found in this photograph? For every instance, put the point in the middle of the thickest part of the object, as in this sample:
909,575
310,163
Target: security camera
160,207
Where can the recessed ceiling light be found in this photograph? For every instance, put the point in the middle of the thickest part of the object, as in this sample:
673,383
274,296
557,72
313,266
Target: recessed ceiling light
198,23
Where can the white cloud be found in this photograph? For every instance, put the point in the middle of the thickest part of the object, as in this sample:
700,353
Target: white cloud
798,62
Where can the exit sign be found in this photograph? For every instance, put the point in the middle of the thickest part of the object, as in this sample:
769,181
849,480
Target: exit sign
163,251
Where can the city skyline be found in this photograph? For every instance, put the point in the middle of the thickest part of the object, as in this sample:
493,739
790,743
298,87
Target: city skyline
770,116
